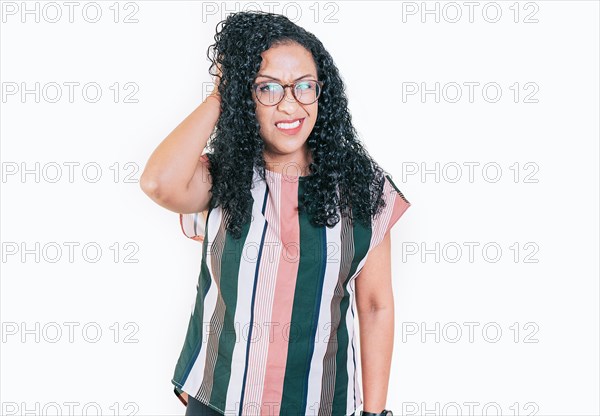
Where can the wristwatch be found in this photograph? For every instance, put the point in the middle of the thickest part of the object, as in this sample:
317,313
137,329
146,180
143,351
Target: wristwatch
384,412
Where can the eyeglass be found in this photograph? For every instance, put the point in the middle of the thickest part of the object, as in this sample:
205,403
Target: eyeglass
272,92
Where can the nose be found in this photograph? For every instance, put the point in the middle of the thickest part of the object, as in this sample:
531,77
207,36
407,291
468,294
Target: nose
289,103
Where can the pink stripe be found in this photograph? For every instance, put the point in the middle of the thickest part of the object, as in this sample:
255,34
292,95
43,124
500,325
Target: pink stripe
284,291
399,207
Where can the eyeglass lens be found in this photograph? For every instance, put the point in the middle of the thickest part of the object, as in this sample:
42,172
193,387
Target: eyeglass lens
270,93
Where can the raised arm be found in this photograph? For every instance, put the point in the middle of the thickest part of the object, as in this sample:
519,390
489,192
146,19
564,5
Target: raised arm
174,176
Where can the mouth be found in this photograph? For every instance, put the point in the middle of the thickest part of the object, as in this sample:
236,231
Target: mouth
290,127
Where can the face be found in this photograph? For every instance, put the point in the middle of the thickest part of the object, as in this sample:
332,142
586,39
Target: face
286,64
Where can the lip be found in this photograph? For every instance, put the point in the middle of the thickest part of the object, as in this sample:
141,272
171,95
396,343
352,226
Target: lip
291,132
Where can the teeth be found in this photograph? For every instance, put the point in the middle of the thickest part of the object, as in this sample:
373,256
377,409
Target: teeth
287,126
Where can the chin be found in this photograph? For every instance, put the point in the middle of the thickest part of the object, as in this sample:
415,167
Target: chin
283,150
276,139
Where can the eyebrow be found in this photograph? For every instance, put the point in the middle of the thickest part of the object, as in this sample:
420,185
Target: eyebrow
277,79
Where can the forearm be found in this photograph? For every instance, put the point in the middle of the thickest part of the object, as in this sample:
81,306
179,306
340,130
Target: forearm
376,345
173,162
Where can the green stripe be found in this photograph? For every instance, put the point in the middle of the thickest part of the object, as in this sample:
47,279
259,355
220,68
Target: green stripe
305,310
230,266
362,240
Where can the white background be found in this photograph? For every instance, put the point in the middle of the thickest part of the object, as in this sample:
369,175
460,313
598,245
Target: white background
381,49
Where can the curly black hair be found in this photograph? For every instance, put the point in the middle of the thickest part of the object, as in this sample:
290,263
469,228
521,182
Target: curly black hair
236,148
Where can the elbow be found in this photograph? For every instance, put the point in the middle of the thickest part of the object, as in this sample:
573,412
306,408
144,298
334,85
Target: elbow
151,187
376,304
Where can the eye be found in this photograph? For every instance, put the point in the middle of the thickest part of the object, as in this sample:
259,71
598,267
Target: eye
305,85
268,87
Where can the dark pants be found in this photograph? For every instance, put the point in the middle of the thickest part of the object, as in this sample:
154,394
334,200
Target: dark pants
197,408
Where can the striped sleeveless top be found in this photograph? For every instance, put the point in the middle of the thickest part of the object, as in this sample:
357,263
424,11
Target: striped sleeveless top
272,329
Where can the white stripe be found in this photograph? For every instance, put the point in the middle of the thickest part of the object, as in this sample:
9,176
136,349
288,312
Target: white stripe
192,224
243,308
354,374
349,360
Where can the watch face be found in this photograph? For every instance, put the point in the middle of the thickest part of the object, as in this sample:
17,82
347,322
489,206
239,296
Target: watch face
389,413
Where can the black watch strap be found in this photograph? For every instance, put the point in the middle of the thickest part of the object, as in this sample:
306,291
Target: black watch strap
384,412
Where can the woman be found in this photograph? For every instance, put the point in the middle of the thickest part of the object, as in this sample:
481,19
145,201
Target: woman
292,204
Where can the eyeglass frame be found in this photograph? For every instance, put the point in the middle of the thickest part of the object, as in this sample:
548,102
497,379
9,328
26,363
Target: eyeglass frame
284,86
